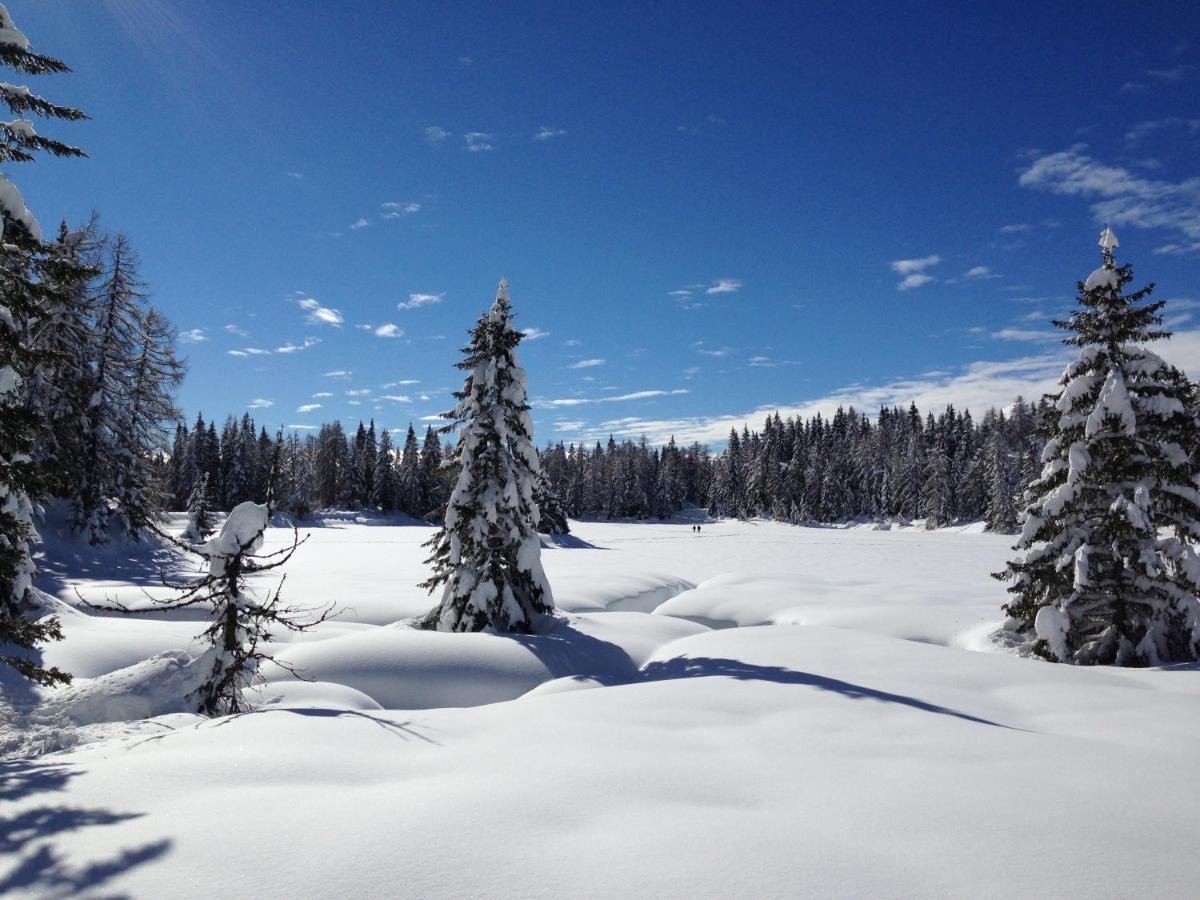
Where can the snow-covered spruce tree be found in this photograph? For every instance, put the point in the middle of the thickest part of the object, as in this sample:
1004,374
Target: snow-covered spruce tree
29,288
200,518
487,555
1109,572
553,520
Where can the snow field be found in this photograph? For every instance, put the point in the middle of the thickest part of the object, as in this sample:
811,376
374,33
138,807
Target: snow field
758,710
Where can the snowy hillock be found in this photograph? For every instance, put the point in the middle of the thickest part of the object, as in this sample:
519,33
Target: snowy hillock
812,697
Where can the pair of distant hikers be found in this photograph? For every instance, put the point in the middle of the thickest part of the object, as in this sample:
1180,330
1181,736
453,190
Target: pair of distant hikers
696,529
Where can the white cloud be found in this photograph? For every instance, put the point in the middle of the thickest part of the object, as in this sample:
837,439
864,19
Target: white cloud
234,329
766,362
397,398
1025,334
569,425
338,373
532,334
719,352
296,348
586,364
724,286
435,134
477,141
416,301
546,134
913,270
389,331
976,387
915,280
1118,196
392,384
295,176
320,315
307,407
907,266
571,342
361,223
320,394
1018,228
586,401
193,336
395,210
358,392
980,272
260,403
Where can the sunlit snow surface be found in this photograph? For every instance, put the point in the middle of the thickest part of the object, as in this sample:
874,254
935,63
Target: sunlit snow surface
757,710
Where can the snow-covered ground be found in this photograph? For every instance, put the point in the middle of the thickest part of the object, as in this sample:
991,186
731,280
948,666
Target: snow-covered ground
757,710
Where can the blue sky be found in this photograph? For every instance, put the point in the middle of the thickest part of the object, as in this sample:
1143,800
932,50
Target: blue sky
702,213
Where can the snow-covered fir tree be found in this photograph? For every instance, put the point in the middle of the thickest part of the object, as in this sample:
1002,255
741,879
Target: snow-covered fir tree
200,517
383,480
30,290
410,484
1109,571
487,556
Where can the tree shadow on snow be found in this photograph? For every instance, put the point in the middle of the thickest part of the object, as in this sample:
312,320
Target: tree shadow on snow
707,667
567,542
566,652
34,864
404,730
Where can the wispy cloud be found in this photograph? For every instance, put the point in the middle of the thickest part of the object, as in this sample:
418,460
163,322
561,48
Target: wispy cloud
980,272
235,329
338,373
296,348
397,398
260,403
388,330
1144,129
307,407
295,176
434,134
1025,334
704,350
913,270
416,301
396,210
546,134
724,286
284,349
361,223
320,315
977,387
1119,197
533,334
1015,228
586,364
358,392
620,398
193,336
767,362
478,141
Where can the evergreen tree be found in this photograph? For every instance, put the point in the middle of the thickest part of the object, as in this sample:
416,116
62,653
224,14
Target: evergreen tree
409,481
1109,572
29,287
487,555
383,479
200,518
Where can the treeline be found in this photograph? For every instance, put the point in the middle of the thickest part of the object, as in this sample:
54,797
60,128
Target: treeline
101,385
946,468
325,470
